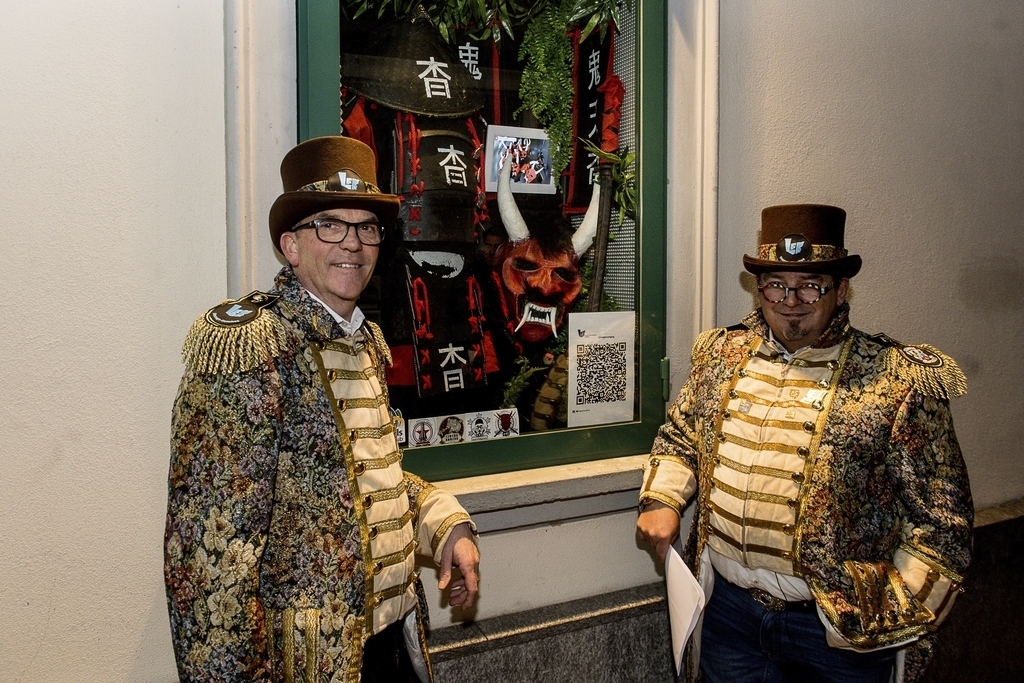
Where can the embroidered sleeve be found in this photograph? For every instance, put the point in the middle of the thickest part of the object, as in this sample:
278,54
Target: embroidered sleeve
669,475
436,513
887,601
223,460
939,513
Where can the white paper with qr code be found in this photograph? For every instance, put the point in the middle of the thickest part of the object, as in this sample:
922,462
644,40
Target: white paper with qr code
601,367
685,602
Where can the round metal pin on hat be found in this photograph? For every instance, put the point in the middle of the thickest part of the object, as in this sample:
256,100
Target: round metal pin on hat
803,238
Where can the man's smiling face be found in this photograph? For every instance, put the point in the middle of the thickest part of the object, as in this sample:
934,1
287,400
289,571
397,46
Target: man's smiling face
335,273
794,323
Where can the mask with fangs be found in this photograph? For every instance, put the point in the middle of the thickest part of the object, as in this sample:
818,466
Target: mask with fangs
540,282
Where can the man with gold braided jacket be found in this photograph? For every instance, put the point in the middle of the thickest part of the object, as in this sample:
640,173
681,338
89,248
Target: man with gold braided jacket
833,520
291,527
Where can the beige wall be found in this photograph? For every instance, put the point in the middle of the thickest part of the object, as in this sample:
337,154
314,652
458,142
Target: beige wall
910,115
111,240
126,143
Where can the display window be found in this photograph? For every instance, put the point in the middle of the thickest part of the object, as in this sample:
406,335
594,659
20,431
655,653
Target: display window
522,295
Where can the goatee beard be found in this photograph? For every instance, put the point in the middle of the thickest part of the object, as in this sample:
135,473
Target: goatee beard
793,331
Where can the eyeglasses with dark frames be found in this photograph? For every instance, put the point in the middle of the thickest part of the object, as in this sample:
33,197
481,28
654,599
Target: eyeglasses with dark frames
807,293
335,230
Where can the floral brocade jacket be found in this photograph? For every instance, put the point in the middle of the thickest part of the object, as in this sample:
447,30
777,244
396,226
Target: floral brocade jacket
882,518
290,534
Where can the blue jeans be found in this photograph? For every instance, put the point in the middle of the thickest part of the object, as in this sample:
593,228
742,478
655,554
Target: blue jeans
743,642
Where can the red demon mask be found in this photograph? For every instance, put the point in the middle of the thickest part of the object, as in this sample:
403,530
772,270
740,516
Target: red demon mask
538,288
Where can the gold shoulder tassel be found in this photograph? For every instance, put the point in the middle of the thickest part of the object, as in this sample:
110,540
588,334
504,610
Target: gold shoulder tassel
378,340
704,341
927,368
235,336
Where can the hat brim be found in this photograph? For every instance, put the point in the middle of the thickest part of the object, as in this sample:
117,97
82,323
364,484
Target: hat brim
847,266
292,207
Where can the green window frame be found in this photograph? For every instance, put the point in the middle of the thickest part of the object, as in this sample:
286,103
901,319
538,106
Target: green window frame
318,40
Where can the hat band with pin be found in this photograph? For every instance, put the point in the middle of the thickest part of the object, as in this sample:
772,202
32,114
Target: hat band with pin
818,252
343,180
804,238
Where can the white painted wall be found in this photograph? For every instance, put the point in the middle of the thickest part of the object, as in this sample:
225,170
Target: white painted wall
910,115
112,232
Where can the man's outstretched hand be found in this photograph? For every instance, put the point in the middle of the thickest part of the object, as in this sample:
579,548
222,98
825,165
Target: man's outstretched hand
460,550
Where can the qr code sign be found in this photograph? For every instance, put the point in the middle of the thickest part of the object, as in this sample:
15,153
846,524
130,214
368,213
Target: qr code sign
600,373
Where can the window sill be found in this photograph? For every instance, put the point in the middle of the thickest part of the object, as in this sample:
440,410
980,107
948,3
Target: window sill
547,495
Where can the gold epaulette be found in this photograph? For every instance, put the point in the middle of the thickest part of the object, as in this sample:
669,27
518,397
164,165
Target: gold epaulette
237,335
378,340
931,371
704,341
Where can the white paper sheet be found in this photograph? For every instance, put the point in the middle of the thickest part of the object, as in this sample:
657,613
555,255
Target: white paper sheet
685,603
601,367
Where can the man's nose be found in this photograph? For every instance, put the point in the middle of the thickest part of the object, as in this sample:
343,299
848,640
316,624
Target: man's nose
351,241
791,294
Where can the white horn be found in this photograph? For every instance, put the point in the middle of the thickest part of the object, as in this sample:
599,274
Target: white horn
584,235
515,226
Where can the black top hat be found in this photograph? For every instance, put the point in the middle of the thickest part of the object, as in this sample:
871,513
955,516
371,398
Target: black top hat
331,172
804,238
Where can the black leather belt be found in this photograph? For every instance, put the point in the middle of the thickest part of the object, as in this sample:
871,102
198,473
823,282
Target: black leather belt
770,602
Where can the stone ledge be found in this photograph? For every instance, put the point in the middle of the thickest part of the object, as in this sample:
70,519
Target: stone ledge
544,622
546,495
547,484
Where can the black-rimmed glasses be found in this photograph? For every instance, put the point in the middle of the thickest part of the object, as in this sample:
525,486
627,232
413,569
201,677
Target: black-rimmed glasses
808,293
335,230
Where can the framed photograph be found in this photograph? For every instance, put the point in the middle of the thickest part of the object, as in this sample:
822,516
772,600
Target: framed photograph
530,151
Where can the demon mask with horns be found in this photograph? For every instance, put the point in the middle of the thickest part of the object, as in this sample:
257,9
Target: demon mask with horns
540,278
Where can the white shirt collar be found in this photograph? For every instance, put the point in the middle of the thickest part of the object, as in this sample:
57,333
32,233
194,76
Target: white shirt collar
349,327
774,343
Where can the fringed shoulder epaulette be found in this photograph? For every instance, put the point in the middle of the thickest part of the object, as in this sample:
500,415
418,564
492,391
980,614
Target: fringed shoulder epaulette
704,342
238,335
378,340
931,371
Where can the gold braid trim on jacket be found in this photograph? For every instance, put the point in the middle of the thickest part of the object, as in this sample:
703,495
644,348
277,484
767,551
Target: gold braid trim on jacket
237,335
925,367
702,344
378,340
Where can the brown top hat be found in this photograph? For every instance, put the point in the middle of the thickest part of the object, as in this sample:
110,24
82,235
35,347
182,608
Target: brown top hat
804,238
332,172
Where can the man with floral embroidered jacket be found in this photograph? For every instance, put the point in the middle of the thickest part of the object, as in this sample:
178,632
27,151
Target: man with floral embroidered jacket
833,518
291,527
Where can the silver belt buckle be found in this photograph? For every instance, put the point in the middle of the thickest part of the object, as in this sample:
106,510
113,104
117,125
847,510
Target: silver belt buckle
767,600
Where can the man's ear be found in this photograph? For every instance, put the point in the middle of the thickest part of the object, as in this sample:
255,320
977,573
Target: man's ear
842,289
290,248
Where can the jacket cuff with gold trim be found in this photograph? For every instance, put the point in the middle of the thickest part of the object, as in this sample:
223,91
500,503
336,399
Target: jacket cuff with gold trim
439,513
932,584
881,610
668,480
